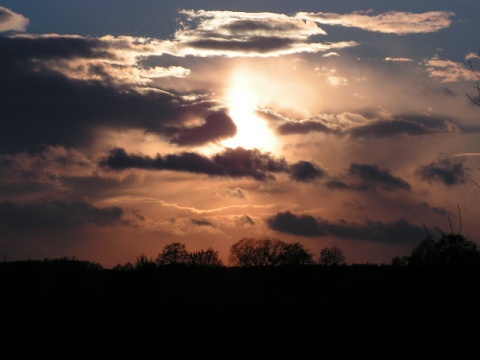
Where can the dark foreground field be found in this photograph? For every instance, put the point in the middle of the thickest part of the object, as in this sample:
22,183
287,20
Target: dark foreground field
64,310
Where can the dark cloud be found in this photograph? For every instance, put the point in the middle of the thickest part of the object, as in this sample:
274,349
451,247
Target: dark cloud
201,222
234,163
372,176
446,171
337,185
305,171
395,232
437,210
302,127
56,215
41,106
247,26
304,225
245,220
258,44
414,125
217,125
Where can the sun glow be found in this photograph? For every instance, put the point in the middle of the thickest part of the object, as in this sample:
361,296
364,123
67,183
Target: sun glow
252,131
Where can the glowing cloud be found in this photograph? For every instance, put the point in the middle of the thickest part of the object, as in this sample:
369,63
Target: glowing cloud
10,20
395,22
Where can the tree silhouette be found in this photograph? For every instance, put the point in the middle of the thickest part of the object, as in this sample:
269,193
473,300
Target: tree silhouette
475,99
449,250
268,252
142,263
331,256
173,254
207,257
296,254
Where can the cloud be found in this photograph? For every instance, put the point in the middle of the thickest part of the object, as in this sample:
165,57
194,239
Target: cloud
370,125
11,21
234,193
305,171
201,222
395,232
216,126
302,127
233,163
407,124
447,171
231,33
394,22
57,215
372,176
50,106
398,59
448,70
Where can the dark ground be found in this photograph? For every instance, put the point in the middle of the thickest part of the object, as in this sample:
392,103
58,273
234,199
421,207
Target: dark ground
65,310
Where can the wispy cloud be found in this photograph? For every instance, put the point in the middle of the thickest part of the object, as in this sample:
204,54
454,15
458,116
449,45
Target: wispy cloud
394,22
11,21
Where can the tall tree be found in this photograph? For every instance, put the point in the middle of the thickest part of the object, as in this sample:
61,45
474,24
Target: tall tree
173,254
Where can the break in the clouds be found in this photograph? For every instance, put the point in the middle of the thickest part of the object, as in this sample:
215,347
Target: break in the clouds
11,21
446,171
395,22
395,232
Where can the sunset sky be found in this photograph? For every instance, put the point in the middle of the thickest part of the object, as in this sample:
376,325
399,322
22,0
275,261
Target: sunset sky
128,125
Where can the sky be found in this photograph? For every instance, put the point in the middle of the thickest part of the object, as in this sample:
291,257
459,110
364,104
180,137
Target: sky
129,125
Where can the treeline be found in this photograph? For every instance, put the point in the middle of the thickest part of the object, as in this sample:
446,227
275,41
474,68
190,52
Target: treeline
185,305
449,250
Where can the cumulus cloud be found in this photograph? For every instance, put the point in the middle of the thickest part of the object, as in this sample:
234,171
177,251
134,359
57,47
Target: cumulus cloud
11,21
450,172
394,22
395,232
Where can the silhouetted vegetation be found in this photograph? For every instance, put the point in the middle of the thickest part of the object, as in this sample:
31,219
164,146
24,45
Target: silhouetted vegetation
449,250
476,98
184,305
268,252
331,256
